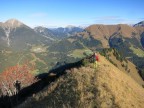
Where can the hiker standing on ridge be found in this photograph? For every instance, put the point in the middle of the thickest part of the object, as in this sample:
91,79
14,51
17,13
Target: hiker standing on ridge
17,85
96,59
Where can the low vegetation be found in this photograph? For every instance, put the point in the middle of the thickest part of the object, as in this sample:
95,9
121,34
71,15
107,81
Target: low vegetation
123,64
106,53
22,74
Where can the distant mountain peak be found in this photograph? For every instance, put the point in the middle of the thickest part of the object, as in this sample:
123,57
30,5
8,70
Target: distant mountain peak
13,23
140,24
40,29
70,26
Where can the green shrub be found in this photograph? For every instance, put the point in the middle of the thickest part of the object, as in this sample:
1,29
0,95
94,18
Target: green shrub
85,62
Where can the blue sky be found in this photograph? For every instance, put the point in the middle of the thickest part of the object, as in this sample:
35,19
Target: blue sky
52,13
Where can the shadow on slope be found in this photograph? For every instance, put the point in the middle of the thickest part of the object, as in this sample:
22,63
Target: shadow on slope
45,80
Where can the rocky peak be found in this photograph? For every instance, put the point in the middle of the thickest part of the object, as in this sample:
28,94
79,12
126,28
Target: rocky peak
13,23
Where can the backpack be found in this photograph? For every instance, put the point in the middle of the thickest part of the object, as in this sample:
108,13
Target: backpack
96,58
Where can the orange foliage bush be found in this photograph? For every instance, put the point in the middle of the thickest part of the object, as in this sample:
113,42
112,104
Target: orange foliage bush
13,74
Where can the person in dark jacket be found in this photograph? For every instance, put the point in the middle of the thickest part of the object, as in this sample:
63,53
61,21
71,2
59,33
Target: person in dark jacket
17,86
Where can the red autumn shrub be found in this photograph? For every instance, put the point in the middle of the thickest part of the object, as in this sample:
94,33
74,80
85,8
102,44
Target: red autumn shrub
14,74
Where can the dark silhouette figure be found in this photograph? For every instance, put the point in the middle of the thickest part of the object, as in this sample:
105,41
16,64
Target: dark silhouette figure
17,85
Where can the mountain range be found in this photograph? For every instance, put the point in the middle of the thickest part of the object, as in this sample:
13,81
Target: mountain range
58,33
71,41
127,39
20,43
67,77
17,35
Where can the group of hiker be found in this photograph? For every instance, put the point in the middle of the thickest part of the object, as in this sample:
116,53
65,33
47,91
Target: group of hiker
96,60
93,58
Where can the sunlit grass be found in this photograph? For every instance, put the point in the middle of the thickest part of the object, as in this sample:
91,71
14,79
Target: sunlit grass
78,53
139,52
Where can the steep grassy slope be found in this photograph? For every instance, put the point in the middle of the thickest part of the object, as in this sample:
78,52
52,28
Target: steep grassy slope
123,64
86,87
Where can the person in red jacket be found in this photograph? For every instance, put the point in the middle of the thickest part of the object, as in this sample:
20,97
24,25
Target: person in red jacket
96,60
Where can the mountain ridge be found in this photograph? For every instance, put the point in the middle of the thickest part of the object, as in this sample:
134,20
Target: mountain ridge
104,87
140,24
